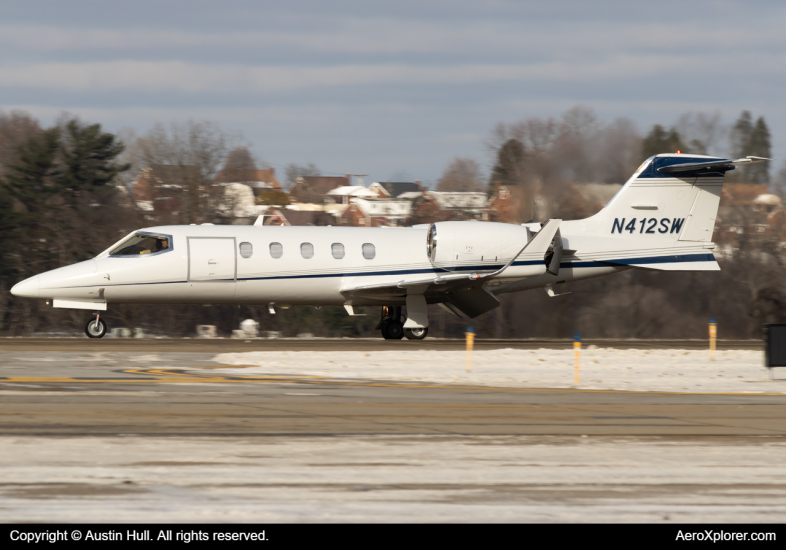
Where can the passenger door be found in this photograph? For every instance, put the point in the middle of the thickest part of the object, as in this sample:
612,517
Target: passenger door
212,268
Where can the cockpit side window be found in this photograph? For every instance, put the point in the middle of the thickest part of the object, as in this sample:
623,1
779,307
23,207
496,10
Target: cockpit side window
143,243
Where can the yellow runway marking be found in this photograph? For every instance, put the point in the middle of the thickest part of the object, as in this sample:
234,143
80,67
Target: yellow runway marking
174,376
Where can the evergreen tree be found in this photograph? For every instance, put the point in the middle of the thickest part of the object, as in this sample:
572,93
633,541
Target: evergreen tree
30,188
7,229
510,164
749,139
32,180
759,147
659,140
88,157
59,193
741,134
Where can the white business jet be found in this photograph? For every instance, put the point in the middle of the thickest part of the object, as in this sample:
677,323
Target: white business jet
661,219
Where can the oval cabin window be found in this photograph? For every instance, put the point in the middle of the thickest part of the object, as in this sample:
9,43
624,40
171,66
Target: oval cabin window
369,251
307,250
246,250
338,250
276,250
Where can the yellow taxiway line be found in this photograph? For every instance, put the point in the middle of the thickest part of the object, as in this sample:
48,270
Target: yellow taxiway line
176,376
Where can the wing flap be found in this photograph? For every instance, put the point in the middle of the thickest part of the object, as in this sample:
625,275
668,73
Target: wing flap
473,301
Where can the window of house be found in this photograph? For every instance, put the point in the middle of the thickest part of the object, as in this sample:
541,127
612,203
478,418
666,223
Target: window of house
276,250
246,250
369,251
338,250
307,250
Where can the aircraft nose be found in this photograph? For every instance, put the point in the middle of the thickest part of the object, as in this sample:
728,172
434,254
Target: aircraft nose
27,288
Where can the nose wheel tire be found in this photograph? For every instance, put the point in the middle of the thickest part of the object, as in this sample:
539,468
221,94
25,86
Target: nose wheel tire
392,330
415,333
95,328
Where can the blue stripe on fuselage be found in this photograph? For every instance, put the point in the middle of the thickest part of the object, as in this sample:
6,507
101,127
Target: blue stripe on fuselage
663,259
563,265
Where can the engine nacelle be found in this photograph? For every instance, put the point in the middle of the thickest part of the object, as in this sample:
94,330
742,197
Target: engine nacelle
456,244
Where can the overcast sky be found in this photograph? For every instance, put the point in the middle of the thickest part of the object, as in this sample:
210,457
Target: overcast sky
393,89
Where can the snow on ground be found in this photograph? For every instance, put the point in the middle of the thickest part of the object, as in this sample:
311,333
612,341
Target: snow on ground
395,479
689,371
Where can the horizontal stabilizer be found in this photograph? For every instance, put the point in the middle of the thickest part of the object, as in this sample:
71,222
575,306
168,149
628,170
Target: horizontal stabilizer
726,164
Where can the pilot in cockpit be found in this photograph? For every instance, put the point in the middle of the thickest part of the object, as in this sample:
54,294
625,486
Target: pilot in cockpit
161,244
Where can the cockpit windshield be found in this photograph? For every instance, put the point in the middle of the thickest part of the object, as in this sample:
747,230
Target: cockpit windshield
142,243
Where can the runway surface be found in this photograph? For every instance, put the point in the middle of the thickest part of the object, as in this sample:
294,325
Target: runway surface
222,345
187,394
169,436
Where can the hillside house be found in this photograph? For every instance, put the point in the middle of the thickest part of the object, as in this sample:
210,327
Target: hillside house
376,213
257,180
437,206
313,189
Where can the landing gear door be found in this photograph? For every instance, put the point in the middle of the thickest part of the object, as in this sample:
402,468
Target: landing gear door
212,259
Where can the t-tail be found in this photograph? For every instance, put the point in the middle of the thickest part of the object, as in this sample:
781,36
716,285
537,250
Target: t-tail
664,216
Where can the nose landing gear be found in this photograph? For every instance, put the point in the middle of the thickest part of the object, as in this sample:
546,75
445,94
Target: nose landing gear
95,328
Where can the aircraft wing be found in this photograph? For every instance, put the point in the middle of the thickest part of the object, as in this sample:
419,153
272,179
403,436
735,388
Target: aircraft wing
403,285
463,290
728,163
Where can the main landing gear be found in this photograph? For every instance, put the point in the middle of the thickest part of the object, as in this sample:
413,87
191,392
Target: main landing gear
393,329
95,328
390,324
416,333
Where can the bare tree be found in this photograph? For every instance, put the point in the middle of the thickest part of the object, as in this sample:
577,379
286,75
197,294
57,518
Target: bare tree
240,158
702,132
196,150
462,174
293,171
614,152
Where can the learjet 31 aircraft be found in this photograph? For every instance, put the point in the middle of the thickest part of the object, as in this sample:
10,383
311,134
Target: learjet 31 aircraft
661,219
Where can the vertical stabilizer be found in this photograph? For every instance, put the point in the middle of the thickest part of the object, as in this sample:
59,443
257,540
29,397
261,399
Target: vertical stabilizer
664,216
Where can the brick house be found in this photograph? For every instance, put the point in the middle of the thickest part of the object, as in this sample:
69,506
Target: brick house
396,188
162,180
312,189
158,189
748,211
502,206
438,206
282,216
375,213
258,180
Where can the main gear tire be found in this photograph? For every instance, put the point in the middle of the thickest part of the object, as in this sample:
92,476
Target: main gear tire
392,330
416,333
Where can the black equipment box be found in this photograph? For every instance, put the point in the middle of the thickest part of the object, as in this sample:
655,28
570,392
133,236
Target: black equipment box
774,345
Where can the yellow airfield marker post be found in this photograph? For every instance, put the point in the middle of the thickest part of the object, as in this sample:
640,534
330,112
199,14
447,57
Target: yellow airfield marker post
470,344
713,335
577,358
